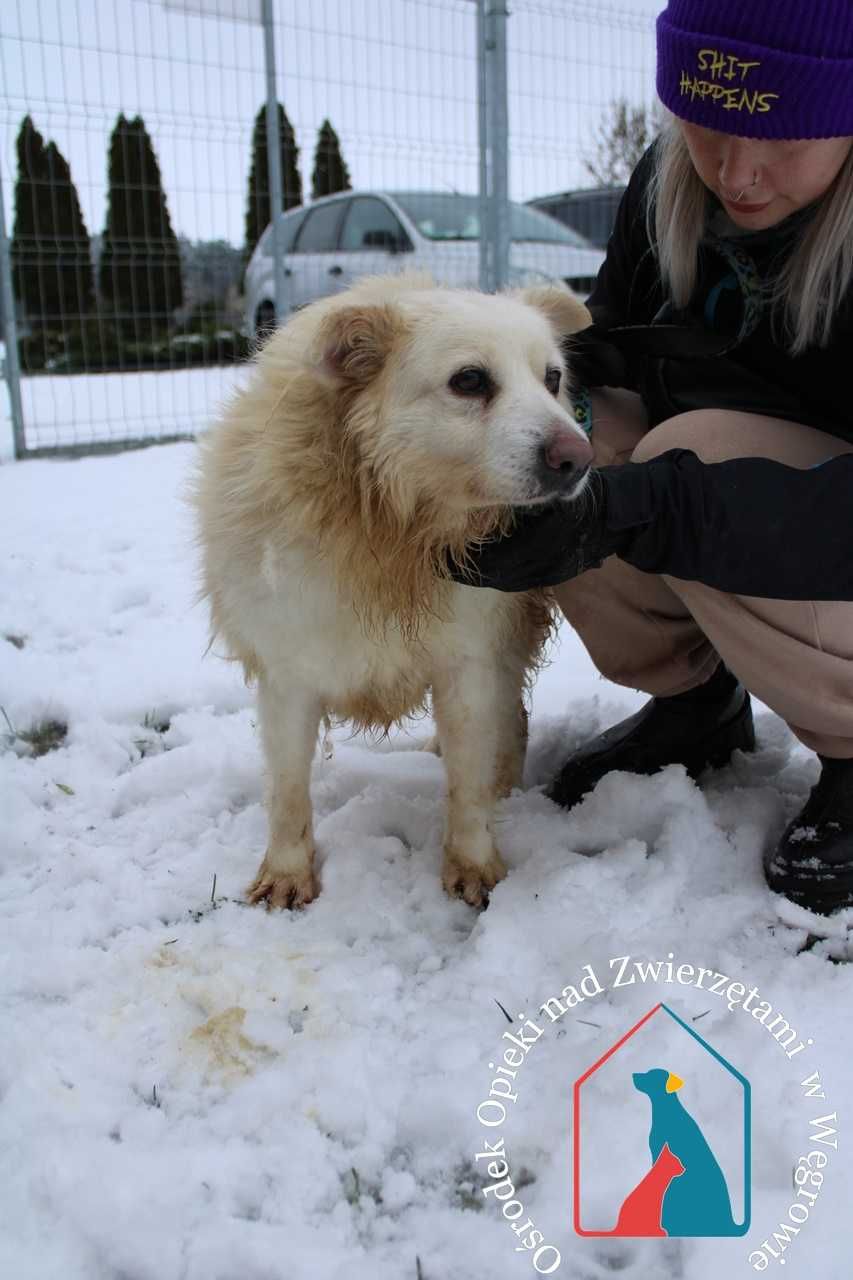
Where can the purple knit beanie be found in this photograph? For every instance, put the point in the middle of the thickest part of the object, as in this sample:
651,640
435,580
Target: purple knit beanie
759,68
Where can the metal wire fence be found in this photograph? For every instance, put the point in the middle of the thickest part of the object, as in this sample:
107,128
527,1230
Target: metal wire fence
136,186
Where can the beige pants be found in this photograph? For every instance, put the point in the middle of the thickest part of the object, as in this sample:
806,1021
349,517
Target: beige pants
663,635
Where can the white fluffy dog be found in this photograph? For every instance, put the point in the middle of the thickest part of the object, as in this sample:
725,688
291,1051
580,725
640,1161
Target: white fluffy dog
380,429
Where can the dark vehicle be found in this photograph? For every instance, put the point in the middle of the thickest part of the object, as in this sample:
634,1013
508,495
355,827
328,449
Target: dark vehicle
592,211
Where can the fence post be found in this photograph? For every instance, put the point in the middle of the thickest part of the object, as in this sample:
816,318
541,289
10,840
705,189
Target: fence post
11,367
485,280
494,144
274,161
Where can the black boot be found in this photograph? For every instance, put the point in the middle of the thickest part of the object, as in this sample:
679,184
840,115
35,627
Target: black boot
813,862
698,728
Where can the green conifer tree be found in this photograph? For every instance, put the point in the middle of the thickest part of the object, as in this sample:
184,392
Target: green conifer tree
330,172
258,210
140,268
30,215
51,253
70,280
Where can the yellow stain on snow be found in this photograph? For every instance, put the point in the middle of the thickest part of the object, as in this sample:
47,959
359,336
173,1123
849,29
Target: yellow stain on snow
229,1051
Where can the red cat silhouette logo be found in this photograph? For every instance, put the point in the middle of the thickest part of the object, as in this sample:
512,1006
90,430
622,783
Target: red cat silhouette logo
694,1124
642,1208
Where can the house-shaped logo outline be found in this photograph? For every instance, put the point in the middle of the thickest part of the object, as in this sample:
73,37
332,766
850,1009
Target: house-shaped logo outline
576,1118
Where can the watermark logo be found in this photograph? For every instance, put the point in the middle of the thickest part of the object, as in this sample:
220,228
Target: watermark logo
678,1183
661,1121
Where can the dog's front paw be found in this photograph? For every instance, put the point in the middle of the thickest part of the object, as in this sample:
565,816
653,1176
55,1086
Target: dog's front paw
470,880
283,888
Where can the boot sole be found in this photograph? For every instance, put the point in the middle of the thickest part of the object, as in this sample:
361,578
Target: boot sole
823,887
820,890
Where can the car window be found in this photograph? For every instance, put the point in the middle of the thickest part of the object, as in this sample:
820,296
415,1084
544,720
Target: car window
319,231
288,228
370,224
439,215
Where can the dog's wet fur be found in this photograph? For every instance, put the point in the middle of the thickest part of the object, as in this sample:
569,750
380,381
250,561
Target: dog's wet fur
381,429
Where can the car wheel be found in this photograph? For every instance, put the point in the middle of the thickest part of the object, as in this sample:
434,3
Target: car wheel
264,321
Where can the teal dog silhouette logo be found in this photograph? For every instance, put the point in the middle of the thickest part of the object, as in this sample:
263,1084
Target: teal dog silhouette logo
661,1136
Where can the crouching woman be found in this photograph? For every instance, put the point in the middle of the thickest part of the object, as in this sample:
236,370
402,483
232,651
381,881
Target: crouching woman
711,553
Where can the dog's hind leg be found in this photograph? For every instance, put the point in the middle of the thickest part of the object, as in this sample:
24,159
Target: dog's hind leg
476,708
290,717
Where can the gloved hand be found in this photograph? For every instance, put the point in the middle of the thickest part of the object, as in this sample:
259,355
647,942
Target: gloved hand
550,543
748,526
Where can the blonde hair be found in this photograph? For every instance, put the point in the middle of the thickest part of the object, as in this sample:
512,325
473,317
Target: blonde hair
817,274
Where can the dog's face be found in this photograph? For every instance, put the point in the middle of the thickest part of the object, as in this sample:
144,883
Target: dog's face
464,394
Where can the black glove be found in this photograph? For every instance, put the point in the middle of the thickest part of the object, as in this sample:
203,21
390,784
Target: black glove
748,526
550,543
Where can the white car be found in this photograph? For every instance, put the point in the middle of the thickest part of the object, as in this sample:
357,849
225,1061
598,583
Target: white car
331,243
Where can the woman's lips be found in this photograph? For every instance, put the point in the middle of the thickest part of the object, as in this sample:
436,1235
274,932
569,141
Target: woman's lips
745,208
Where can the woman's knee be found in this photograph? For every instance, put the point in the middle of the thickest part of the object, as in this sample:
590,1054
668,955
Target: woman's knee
620,430
715,435
712,434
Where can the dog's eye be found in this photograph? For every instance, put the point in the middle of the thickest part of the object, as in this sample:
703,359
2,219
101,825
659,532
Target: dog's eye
552,381
471,382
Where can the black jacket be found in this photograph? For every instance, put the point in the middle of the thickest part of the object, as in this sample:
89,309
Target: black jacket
721,352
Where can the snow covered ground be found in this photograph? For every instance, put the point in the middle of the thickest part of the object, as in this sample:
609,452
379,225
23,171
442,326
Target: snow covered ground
191,1088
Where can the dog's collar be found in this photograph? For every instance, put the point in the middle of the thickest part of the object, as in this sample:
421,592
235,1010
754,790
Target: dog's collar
582,408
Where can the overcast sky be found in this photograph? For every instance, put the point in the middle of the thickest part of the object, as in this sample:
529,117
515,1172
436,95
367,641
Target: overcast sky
397,78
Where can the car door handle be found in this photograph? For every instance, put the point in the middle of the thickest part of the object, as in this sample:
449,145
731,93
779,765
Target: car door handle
336,271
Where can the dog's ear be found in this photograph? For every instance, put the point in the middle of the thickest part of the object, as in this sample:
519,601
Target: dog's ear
562,309
354,342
